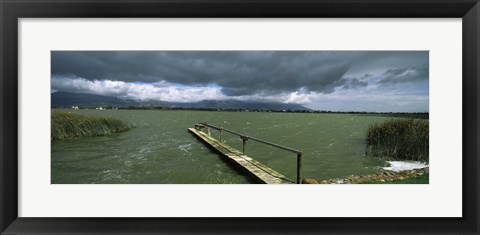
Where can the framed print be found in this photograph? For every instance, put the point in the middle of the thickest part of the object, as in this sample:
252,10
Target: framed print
163,117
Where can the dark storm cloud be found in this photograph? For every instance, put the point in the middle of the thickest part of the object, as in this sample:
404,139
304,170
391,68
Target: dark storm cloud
238,72
403,75
354,84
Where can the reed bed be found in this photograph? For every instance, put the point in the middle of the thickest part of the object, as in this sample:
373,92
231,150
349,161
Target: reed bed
399,139
70,126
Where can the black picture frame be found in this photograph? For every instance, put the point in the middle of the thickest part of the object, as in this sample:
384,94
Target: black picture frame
11,11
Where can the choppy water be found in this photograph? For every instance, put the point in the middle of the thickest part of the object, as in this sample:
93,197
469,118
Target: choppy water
160,150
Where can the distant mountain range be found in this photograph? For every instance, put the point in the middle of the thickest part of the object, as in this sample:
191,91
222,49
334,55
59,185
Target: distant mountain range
67,99
61,98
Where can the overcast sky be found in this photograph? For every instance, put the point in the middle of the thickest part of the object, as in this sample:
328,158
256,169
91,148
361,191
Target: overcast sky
380,81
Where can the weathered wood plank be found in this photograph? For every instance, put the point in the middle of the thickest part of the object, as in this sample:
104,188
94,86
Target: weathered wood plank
257,170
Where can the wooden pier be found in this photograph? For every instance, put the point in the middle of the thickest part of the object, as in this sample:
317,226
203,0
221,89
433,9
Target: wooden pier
258,171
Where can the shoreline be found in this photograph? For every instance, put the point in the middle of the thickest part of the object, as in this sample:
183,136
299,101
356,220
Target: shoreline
382,177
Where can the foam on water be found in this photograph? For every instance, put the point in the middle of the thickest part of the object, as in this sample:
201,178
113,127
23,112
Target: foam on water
185,147
404,165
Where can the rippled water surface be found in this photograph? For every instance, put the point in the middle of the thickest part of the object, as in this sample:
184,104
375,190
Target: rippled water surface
160,150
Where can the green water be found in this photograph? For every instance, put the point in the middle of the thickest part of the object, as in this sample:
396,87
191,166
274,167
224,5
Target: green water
160,150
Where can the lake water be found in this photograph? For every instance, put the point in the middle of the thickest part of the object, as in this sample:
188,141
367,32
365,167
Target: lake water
160,150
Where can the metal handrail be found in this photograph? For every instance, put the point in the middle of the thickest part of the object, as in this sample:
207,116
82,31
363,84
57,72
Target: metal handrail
246,137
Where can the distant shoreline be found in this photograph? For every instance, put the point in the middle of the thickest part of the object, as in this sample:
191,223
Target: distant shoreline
423,115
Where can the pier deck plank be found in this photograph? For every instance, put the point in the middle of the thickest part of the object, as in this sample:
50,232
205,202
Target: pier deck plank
259,171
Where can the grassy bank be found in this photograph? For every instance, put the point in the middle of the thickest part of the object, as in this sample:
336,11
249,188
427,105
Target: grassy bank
399,139
70,126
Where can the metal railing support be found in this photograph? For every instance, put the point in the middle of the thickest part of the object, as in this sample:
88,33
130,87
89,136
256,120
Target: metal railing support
244,142
299,168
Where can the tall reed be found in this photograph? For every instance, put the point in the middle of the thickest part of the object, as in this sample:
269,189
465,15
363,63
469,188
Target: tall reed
399,139
69,126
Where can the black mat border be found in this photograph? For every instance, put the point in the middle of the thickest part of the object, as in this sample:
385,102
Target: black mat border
12,10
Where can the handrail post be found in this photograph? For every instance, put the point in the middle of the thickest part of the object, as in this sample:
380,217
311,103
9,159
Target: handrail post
221,129
299,168
244,141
